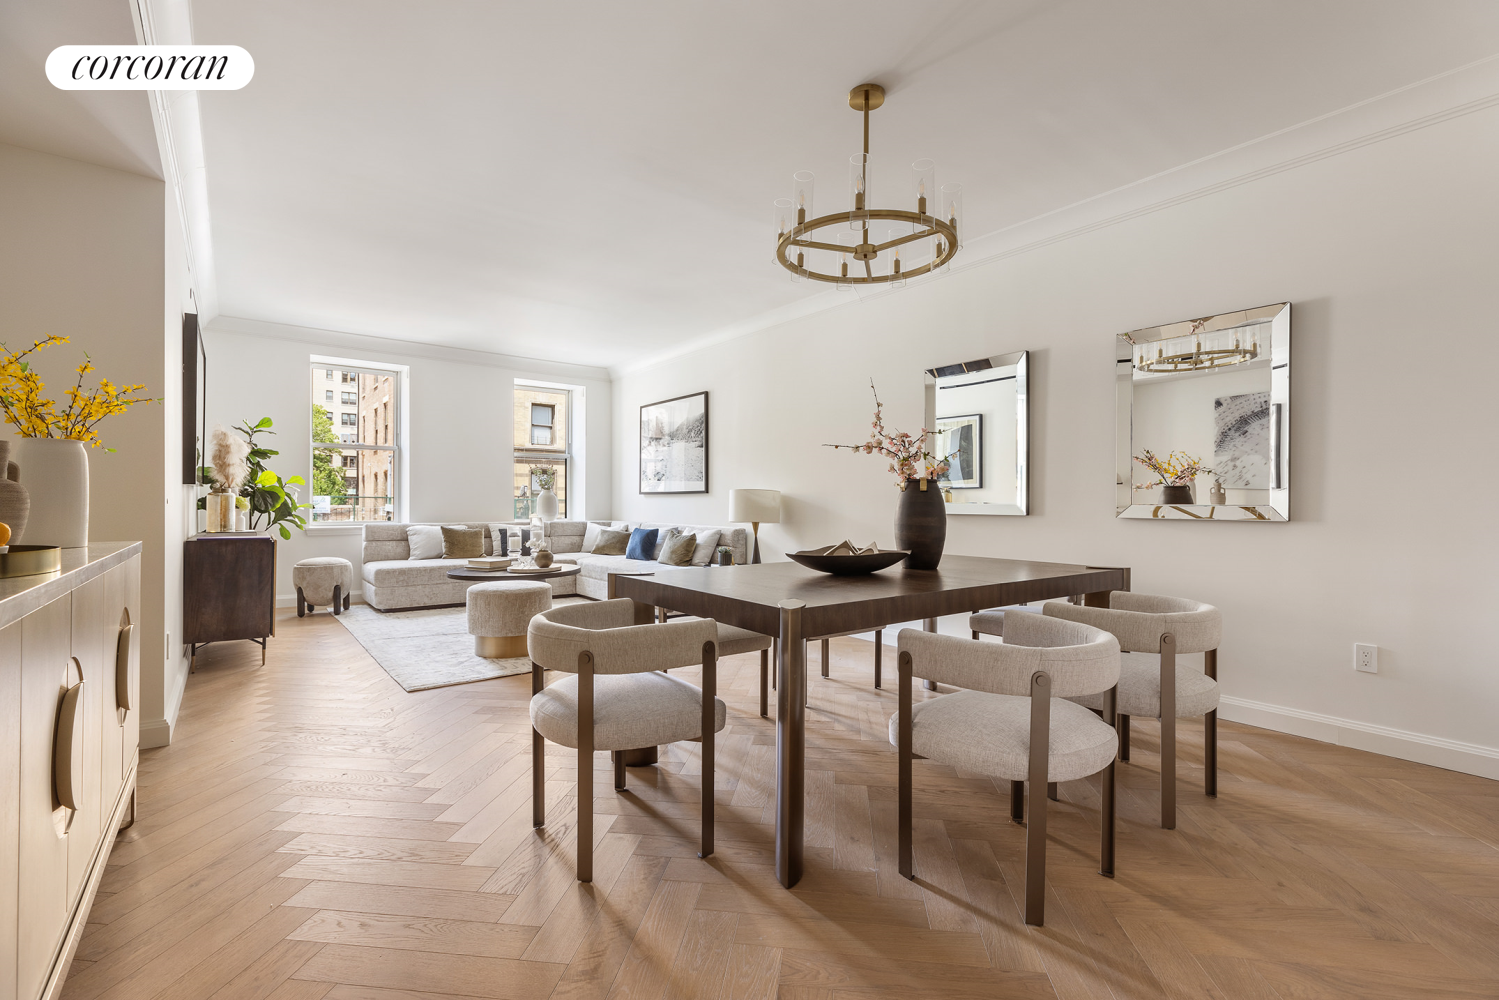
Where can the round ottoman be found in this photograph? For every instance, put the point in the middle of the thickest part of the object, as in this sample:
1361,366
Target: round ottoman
322,580
499,614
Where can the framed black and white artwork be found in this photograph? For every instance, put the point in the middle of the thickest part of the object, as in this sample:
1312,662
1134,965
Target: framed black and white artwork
961,440
674,445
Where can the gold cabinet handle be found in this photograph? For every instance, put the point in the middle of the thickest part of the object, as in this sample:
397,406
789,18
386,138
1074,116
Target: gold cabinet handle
127,670
67,749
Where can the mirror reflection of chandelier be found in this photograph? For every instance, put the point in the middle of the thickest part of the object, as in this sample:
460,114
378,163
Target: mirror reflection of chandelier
864,245
1198,351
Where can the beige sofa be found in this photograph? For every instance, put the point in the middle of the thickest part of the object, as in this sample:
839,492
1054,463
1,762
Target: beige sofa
393,581
565,539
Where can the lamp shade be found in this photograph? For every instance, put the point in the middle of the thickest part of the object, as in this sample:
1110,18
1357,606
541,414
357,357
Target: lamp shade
759,506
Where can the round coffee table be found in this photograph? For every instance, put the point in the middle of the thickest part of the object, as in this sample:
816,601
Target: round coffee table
491,575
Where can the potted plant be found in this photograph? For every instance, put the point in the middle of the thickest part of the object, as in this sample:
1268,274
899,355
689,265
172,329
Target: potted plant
271,502
921,518
1175,472
53,465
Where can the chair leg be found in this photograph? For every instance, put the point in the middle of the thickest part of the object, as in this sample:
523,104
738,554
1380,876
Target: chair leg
301,604
1106,819
619,770
709,699
1035,828
1017,801
538,760
903,766
1051,791
585,767
1210,732
975,635
824,657
764,683
1123,727
337,600
1168,732
879,650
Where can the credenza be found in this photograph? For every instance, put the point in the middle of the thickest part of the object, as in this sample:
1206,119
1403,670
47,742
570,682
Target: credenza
69,732
228,589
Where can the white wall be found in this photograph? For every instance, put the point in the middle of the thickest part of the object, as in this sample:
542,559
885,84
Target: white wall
460,422
89,252
1387,252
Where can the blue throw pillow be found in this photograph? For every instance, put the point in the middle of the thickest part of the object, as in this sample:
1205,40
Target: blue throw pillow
642,544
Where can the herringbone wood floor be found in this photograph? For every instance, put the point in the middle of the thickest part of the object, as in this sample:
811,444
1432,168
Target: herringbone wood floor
315,832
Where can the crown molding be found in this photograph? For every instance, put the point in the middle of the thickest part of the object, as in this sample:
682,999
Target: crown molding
1436,99
386,346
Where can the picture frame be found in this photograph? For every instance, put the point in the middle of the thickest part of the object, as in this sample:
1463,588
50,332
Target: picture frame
962,437
674,445
194,400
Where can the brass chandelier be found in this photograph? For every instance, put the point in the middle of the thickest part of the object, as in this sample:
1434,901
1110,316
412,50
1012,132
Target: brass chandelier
868,240
1198,351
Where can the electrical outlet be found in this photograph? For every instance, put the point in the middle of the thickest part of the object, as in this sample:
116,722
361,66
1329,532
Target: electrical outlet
1366,657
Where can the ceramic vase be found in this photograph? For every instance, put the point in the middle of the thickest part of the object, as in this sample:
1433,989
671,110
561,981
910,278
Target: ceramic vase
1177,495
55,473
220,507
15,501
921,523
546,505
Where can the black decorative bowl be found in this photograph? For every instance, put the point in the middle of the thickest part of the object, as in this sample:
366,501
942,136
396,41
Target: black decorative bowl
858,565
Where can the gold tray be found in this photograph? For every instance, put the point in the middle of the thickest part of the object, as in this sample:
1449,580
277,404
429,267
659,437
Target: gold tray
30,560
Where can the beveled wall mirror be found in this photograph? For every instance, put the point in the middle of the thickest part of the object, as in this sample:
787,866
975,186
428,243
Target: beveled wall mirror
1203,418
981,413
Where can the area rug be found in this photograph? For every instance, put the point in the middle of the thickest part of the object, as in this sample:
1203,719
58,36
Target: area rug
422,650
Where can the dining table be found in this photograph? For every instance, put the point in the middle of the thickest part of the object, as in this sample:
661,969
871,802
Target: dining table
796,604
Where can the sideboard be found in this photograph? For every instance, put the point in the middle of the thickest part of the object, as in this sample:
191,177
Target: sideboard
228,589
69,732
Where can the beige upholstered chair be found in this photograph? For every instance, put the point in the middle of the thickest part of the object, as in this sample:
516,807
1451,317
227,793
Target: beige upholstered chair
733,640
1170,626
1013,722
617,699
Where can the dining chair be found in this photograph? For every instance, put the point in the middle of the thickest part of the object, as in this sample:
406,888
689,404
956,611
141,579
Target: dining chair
616,698
733,640
1012,721
1170,626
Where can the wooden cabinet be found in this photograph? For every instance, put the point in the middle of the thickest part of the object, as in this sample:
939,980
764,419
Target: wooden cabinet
228,588
57,633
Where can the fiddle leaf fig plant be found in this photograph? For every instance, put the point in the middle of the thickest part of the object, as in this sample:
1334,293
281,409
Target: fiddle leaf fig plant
271,503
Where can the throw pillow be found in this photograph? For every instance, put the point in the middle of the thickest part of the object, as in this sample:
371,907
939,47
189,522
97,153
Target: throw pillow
459,542
678,550
707,543
642,544
499,539
425,541
612,543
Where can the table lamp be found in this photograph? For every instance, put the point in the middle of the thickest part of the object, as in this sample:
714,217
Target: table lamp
757,507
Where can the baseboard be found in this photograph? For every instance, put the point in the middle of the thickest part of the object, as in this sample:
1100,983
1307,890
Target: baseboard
1469,758
155,733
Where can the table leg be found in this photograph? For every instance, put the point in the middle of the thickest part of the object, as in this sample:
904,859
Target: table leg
930,624
791,701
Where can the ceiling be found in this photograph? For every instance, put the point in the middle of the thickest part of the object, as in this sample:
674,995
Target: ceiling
591,182
110,128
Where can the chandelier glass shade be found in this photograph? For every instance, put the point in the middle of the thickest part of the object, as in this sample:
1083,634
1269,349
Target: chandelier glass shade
863,245
1198,351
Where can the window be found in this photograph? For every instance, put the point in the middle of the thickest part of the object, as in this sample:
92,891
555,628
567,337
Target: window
542,445
354,461
542,416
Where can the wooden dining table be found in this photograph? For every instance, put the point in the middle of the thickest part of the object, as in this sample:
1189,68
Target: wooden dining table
796,604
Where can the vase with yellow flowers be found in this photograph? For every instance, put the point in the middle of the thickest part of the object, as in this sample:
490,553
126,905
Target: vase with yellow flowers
50,453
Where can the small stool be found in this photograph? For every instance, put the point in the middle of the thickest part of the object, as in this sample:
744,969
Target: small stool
322,580
500,613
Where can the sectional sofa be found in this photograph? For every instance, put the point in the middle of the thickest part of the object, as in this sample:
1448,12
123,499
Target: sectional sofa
393,581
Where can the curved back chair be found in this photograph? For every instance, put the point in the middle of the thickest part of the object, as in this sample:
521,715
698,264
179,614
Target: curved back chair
616,700
1012,722
1170,626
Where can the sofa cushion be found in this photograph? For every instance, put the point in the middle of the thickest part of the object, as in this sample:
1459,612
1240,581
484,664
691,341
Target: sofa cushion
707,544
408,572
459,542
425,541
678,549
596,567
612,543
642,543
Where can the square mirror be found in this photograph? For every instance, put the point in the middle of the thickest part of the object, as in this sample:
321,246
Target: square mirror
980,411
1203,418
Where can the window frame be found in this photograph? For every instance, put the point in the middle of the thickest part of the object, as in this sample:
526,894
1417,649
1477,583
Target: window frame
395,477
